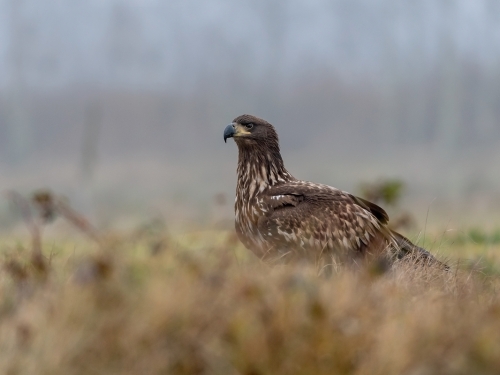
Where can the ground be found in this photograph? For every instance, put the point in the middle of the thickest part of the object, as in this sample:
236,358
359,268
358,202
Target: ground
198,303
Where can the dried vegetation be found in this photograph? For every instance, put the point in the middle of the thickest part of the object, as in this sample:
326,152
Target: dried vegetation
147,304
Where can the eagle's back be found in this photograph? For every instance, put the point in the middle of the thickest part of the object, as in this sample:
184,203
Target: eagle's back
308,220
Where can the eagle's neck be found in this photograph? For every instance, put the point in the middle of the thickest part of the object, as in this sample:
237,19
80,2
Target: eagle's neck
258,169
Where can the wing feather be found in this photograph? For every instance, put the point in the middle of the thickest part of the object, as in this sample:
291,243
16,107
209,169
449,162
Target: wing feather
306,215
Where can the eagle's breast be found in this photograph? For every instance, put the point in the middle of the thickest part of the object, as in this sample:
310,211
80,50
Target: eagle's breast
250,204
247,215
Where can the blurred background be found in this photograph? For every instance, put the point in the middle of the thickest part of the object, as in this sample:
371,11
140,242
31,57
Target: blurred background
120,105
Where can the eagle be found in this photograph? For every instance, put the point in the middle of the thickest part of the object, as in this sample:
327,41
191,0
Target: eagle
281,219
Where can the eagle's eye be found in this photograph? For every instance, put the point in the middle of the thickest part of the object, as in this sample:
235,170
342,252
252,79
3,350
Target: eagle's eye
249,125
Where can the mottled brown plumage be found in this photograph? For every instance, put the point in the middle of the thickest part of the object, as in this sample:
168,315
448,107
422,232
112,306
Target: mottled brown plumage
279,217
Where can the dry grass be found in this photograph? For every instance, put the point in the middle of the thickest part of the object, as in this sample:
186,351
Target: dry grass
203,305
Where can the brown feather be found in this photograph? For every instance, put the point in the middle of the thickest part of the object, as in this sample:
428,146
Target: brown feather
281,218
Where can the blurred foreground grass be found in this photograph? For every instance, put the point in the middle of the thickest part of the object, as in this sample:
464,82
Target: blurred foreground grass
145,303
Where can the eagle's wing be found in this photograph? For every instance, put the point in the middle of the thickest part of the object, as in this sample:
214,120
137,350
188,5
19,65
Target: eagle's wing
303,216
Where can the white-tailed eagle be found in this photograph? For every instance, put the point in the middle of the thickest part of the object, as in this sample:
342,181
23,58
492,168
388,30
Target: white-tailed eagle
279,217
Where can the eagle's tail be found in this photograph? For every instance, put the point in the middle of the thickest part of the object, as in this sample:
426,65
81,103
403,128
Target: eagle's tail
406,249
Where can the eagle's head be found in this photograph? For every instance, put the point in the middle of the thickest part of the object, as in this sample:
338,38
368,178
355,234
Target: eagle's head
249,130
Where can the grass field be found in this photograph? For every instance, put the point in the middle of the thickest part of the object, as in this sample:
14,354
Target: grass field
200,304
146,302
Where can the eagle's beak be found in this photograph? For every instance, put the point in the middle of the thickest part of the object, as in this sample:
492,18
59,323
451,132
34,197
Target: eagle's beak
229,132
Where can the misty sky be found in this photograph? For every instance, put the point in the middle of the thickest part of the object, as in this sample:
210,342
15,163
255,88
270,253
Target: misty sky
358,89
168,44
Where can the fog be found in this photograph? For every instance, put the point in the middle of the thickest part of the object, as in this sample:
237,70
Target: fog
120,105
